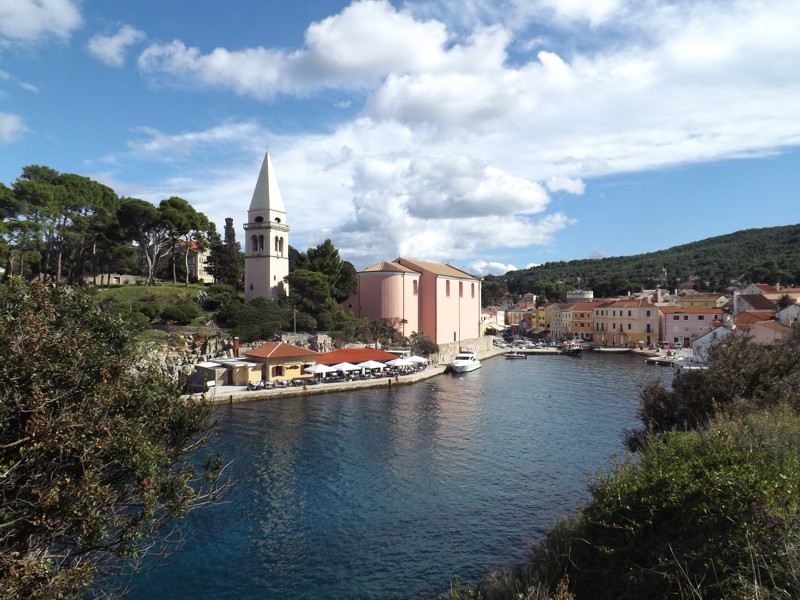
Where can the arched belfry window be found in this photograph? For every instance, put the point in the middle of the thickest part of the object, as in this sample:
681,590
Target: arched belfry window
281,247
254,243
416,287
261,243
277,244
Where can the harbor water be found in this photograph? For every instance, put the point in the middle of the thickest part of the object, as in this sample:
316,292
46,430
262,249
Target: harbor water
391,493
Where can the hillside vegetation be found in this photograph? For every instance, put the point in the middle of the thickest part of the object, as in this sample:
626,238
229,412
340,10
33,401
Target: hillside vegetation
766,255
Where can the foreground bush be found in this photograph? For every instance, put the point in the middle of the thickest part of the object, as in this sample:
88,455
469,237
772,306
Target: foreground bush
712,514
741,376
93,453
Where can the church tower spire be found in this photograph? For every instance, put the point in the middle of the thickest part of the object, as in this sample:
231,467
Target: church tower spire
266,264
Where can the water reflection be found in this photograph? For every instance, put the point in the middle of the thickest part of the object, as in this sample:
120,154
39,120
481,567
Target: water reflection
390,493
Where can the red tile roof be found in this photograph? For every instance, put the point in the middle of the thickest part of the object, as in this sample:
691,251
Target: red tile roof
280,350
354,356
691,310
758,301
626,304
752,316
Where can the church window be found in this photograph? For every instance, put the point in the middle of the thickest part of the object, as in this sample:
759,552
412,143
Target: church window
460,289
416,288
261,243
259,219
473,289
254,243
447,288
277,219
277,243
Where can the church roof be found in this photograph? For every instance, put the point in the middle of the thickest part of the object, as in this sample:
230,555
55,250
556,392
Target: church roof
388,266
435,268
267,196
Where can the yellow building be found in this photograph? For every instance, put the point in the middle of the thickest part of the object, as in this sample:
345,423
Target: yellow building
626,323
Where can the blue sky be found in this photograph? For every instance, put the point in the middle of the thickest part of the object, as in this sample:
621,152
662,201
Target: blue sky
491,134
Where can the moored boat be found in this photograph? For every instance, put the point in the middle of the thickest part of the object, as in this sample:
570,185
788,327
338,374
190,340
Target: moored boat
515,355
465,362
572,347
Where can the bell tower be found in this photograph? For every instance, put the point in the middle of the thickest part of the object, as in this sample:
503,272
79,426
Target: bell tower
266,263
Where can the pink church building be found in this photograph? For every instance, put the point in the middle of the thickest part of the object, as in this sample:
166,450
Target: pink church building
440,301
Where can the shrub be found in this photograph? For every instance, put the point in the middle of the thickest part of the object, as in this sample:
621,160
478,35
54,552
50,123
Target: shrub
182,314
710,514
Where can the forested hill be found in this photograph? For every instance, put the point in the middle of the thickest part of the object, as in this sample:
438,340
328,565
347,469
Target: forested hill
767,255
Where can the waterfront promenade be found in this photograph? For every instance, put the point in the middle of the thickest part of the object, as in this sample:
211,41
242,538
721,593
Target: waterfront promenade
232,394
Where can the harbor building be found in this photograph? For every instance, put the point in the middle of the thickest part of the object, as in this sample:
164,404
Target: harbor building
440,301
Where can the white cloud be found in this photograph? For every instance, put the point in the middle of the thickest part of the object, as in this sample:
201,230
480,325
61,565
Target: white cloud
354,48
566,184
595,12
163,147
11,127
481,267
111,49
33,20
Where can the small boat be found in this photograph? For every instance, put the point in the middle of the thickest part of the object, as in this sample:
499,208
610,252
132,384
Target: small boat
513,355
464,362
572,347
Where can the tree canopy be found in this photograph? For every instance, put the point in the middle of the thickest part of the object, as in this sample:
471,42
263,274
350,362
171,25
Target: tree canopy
94,454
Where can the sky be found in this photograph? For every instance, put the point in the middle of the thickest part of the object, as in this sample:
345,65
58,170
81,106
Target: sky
488,134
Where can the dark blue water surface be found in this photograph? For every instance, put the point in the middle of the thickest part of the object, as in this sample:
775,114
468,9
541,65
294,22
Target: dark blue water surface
390,493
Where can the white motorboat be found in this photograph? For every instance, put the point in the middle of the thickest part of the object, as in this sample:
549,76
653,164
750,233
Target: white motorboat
464,362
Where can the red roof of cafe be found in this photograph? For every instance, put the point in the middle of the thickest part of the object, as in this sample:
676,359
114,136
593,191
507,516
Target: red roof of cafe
354,356
279,350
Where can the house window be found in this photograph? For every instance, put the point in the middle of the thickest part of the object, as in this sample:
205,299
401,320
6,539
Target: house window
648,313
447,290
613,326
629,326
629,313
676,318
700,317
685,317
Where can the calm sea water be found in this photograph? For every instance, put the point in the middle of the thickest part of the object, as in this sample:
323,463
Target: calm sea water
389,494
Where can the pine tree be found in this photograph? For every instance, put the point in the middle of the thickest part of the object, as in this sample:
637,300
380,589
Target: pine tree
226,260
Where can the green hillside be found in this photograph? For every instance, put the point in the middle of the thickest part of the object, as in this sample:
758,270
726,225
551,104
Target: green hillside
766,255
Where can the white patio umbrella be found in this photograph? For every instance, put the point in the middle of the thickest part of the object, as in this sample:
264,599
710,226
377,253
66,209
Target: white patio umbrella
371,364
346,366
319,369
417,359
400,362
